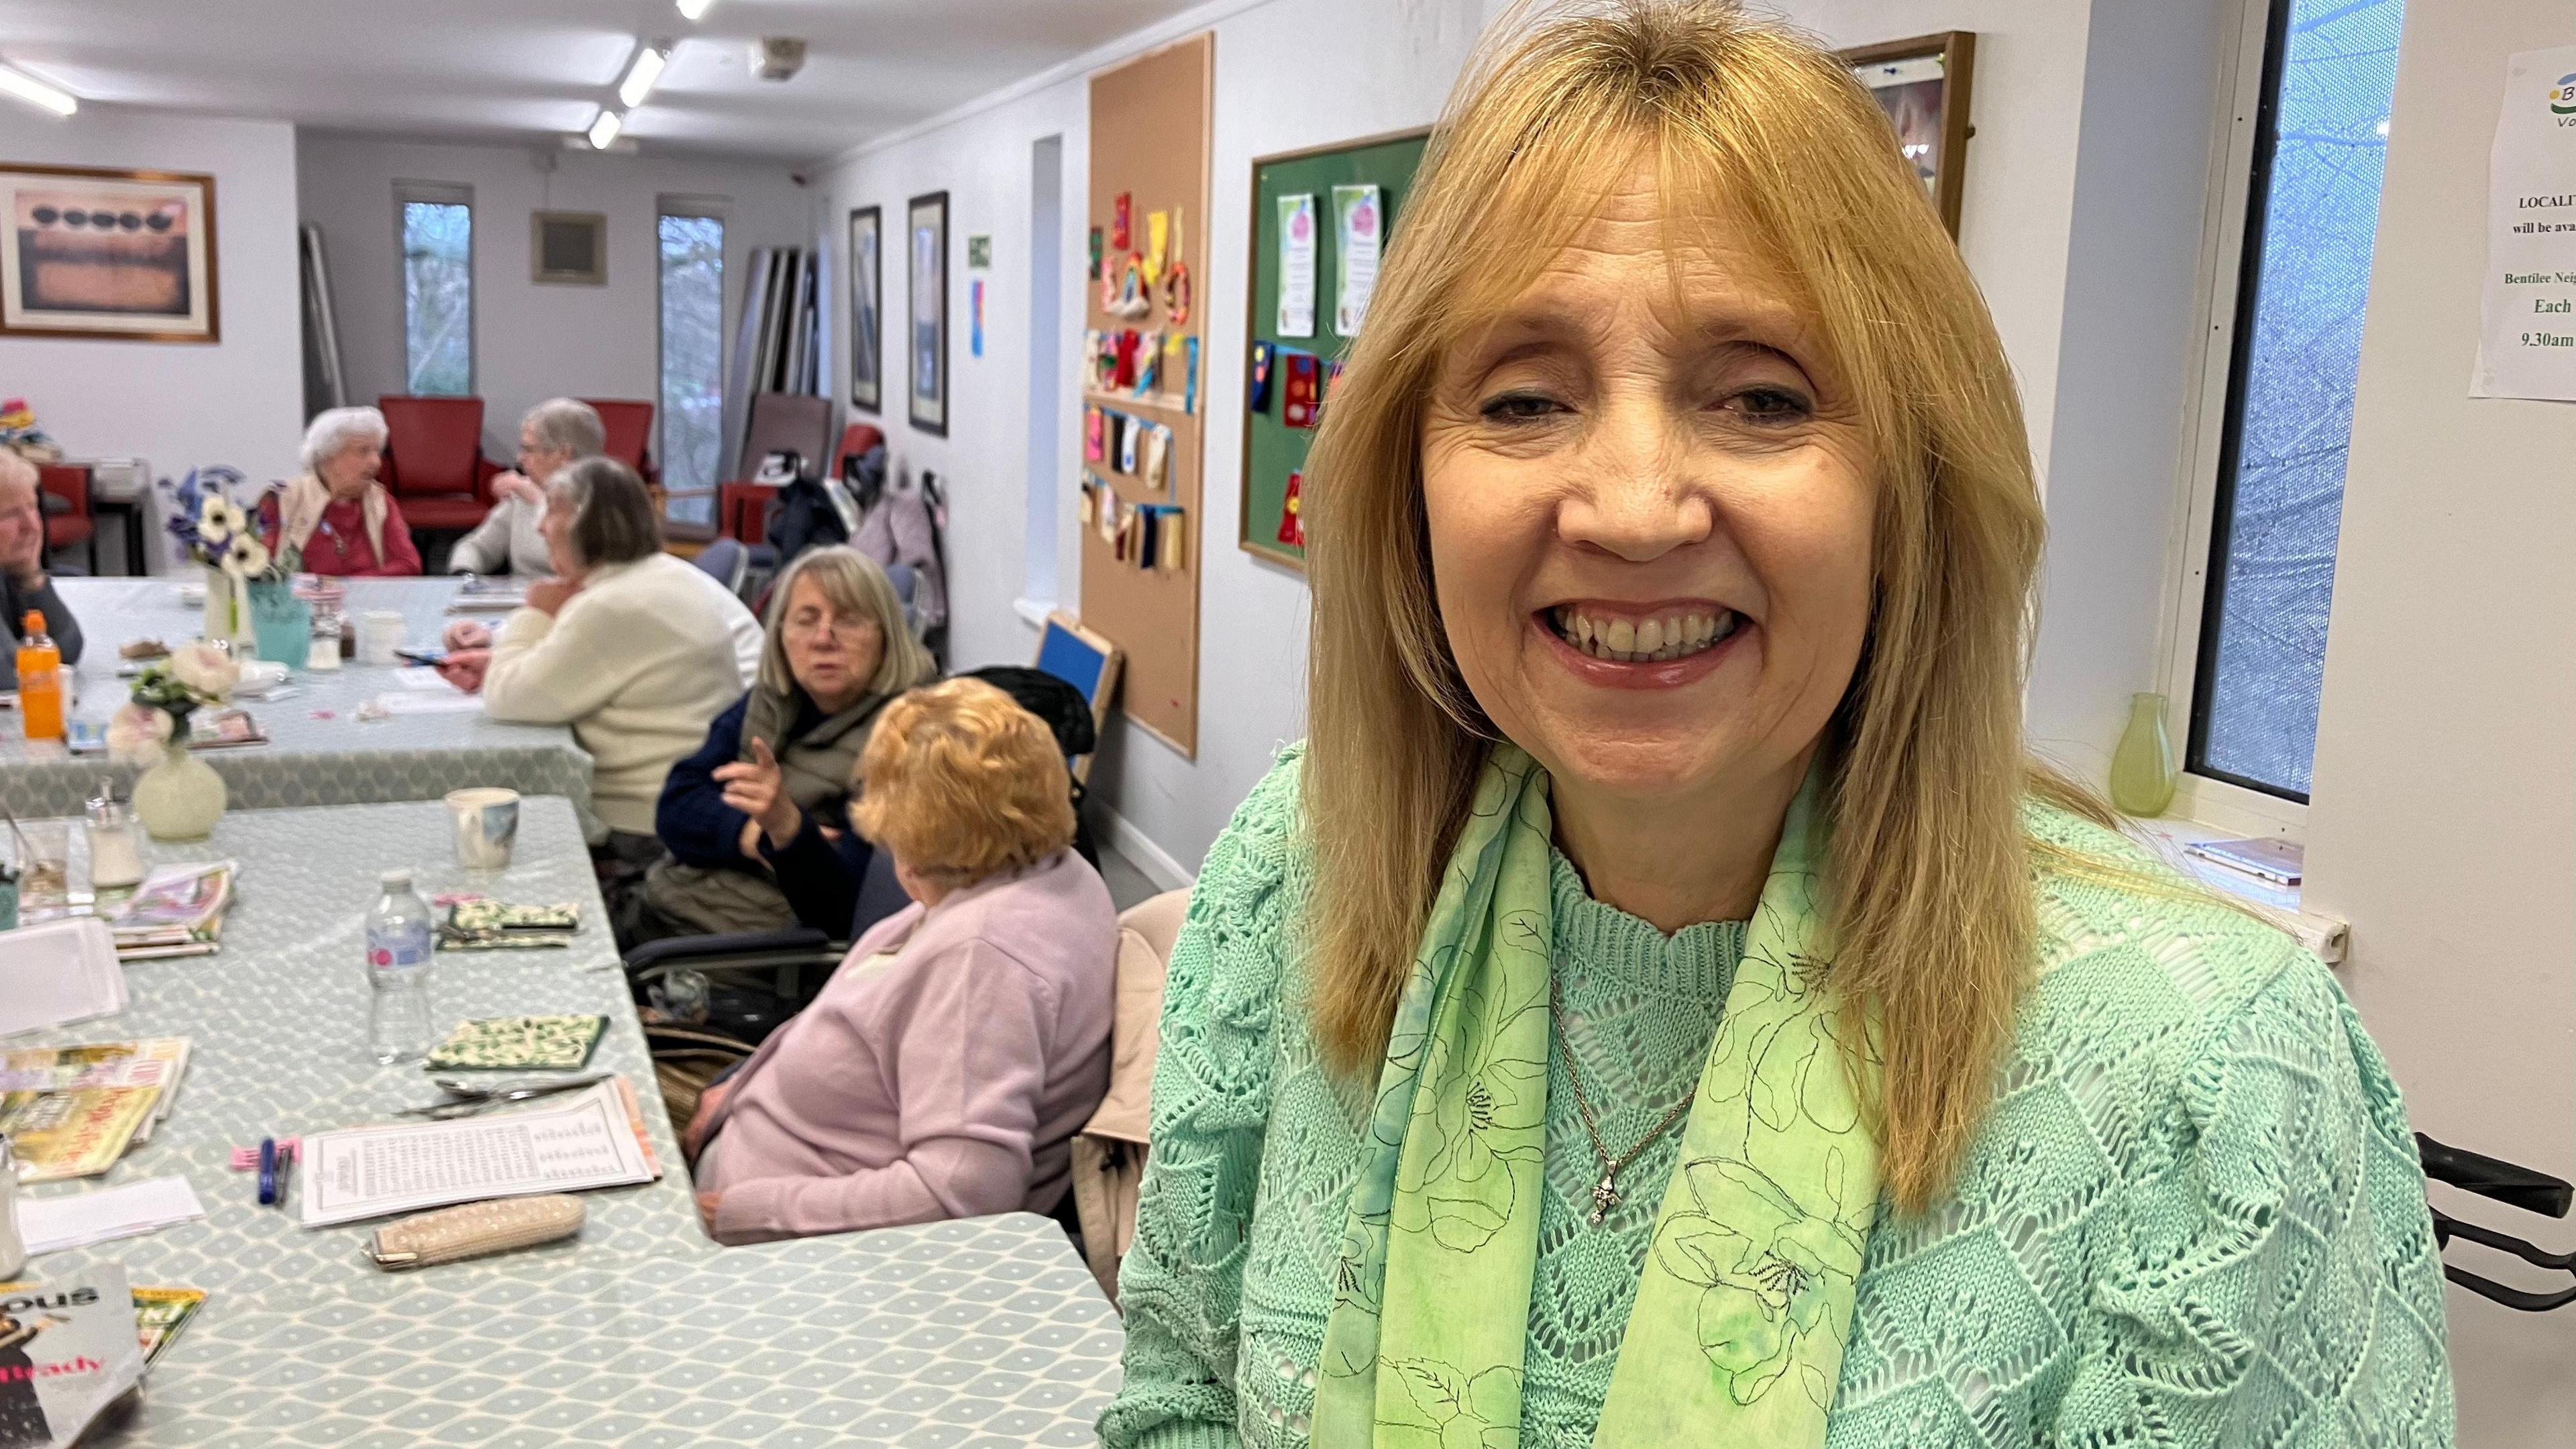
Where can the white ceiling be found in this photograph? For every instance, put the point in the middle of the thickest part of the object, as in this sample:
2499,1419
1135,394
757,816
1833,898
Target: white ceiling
510,69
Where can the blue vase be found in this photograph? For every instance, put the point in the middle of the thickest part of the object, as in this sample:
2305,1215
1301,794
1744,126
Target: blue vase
280,622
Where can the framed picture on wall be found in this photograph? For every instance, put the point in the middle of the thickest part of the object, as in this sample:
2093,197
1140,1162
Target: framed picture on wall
926,227
1922,84
867,307
119,254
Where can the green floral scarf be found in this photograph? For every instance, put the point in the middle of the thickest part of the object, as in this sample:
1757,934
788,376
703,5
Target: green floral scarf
1739,1324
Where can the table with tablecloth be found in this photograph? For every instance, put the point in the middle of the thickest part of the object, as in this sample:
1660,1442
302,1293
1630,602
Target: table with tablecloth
320,752
639,1332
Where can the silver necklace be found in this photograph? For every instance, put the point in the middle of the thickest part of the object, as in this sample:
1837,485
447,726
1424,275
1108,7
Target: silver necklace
1605,1193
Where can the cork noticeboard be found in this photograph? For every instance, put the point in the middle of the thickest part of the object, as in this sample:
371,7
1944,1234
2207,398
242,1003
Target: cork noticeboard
1149,151
1272,450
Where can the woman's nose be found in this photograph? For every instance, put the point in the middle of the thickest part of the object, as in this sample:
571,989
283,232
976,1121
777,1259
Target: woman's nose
1632,494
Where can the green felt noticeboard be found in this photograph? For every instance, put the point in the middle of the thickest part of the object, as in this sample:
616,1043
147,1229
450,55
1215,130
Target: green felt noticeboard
1271,449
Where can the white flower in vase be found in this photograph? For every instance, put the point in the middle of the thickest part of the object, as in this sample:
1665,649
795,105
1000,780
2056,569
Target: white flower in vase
245,557
138,733
206,670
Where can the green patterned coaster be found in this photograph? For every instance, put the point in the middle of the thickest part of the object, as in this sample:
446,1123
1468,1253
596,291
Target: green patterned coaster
520,1043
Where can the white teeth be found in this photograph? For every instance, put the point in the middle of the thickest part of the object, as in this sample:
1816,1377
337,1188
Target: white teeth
1633,641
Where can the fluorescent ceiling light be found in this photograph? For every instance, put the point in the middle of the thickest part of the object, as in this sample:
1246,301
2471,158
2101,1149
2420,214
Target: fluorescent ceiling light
692,9
603,131
644,72
35,92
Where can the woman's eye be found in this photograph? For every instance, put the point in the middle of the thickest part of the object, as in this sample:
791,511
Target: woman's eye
1773,405
1515,407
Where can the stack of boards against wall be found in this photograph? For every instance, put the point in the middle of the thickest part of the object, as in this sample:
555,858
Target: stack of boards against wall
1143,447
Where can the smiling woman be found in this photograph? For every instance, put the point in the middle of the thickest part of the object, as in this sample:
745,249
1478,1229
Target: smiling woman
1742,1019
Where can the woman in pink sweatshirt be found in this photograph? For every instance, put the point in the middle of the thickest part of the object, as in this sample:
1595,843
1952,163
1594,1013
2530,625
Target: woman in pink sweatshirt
944,1070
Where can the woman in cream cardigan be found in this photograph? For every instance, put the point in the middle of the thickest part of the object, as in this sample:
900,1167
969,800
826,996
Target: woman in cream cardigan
624,644
1664,1003
345,522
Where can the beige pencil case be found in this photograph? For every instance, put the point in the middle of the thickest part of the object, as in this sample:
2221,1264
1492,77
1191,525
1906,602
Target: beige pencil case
451,1234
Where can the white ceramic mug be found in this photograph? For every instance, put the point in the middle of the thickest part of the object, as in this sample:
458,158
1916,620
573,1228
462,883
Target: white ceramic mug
487,825
380,633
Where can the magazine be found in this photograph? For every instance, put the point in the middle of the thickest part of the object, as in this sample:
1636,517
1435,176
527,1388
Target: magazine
159,1314
178,910
68,1349
74,1132
152,1062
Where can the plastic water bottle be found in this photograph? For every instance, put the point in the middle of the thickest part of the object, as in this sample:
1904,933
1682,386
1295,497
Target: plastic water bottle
398,956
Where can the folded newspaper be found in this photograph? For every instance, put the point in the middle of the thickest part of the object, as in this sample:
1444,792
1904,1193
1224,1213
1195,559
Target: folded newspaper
68,1349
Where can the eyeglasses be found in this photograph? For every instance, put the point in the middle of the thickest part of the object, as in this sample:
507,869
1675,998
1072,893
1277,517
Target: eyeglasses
848,631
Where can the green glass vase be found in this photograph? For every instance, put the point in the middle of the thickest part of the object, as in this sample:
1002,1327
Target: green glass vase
2142,768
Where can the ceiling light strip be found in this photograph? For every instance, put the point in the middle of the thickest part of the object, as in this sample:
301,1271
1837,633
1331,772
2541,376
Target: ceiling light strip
650,58
603,132
35,92
692,9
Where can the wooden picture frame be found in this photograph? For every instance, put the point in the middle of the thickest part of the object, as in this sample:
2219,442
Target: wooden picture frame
926,340
867,308
138,265
1924,86
568,248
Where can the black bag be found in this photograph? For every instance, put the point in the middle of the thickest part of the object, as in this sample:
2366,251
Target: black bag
1066,713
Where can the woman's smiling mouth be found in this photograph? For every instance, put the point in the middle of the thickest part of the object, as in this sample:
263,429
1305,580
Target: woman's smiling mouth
1631,646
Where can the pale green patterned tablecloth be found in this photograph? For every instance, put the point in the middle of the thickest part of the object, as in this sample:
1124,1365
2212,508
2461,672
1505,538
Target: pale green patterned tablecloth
640,1332
338,760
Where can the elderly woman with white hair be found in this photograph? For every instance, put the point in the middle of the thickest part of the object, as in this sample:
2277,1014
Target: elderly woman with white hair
24,589
552,435
345,521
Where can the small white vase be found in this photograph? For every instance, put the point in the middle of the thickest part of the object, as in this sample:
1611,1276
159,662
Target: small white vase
179,798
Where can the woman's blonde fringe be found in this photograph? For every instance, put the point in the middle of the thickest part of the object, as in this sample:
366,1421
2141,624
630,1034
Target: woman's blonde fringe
1931,868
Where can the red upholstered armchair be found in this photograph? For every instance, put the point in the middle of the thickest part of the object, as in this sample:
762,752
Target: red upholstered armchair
434,463
68,521
630,434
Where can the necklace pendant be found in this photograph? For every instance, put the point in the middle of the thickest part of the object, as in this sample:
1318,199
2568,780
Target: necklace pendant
1605,1196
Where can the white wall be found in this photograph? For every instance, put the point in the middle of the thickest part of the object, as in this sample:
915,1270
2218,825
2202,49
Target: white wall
1392,67
2127,362
2444,816
531,341
238,401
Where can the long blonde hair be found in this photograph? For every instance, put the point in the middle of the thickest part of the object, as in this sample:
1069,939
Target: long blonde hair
1930,872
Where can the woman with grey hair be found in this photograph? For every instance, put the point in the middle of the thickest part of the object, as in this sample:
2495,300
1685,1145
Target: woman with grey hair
345,522
624,644
552,435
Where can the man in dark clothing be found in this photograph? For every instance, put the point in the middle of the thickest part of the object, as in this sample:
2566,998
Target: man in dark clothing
23,585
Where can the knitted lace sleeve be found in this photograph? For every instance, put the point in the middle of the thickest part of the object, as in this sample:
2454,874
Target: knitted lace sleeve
2282,1285
1181,1283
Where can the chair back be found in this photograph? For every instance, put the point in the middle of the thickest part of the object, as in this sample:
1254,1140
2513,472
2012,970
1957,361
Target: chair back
1109,1152
630,430
725,560
1084,660
433,445
856,438
787,422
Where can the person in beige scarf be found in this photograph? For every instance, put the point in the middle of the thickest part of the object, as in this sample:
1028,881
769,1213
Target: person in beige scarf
345,522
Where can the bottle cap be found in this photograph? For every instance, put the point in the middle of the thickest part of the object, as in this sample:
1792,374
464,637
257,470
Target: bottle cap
34,623
396,877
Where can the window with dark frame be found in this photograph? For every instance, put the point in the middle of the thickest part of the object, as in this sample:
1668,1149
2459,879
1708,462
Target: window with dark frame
2312,217
692,411
438,293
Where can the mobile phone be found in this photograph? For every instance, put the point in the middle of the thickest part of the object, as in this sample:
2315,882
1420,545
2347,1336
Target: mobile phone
429,657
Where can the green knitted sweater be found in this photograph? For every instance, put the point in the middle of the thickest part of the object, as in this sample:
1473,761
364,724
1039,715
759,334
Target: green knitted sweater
2194,1217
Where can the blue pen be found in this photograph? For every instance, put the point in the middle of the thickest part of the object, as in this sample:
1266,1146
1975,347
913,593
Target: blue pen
267,1171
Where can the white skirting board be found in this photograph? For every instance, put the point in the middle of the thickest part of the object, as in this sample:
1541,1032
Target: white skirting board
1158,864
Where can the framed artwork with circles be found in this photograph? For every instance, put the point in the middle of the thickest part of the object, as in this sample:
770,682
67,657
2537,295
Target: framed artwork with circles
98,253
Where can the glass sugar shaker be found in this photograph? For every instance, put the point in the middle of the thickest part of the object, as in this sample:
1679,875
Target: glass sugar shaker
13,1249
115,847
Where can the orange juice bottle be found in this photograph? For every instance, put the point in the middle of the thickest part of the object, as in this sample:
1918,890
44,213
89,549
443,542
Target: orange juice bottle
40,681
